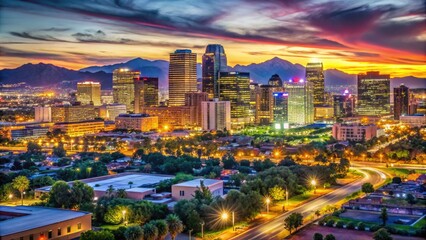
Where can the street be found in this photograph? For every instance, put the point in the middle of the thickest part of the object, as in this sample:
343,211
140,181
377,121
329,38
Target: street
272,229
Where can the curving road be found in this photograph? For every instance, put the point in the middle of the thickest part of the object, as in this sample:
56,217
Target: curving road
271,229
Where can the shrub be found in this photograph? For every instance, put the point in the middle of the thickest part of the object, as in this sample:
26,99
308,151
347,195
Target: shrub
402,232
321,222
361,226
375,227
330,223
350,225
330,237
340,224
318,236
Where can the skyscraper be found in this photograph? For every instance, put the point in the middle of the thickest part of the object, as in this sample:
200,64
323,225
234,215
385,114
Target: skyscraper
235,87
401,101
216,115
146,93
343,105
123,86
300,102
214,62
280,110
265,100
89,93
315,75
195,99
373,94
182,76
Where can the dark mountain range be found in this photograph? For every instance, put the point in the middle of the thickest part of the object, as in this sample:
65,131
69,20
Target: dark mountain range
41,74
48,74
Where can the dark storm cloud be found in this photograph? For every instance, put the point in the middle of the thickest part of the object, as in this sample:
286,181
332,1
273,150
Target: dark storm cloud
346,22
40,37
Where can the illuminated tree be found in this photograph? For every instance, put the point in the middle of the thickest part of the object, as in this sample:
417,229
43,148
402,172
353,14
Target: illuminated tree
21,183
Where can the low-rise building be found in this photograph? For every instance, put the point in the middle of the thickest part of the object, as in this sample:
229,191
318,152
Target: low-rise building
353,132
216,115
141,122
31,223
186,190
78,129
417,120
111,111
74,113
173,116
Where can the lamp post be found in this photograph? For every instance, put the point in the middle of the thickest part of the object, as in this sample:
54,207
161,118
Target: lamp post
225,217
314,184
189,233
124,216
267,200
286,198
202,229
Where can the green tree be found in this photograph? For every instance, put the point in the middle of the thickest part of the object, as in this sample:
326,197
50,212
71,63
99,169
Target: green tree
382,234
293,221
59,151
33,148
175,225
97,235
121,193
81,193
367,188
384,215
229,161
318,236
114,214
203,194
277,193
162,228
330,237
410,199
133,233
150,231
42,181
21,183
60,195
130,184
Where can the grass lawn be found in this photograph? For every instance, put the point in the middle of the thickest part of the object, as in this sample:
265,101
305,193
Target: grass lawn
403,171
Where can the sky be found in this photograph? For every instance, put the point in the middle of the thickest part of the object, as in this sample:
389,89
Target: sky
351,35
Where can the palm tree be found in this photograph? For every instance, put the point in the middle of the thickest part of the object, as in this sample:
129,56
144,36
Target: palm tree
384,215
130,184
110,191
21,183
162,228
175,225
121,193
150,231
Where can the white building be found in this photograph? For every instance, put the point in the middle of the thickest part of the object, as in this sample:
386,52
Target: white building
186,190
216,115
110,112
416,120
43,114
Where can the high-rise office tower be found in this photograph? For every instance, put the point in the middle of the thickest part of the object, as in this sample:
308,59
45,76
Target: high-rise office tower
214,62
373,94
146,93
235,87
343,105
123,86
401,101
315,75
265,100
42,114
275,81
182,76
280,110
89,93
216,115
254,91
195,99
300,102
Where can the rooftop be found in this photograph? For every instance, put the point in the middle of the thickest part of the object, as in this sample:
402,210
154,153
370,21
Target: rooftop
27,218
197,183
141,182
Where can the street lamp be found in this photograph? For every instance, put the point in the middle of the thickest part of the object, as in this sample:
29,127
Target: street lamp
124,216
314,183
189,233
202,229
267,200
225,217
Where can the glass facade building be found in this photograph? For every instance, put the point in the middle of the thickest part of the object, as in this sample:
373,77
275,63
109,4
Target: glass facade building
214,62
89,93
123,87
235,87
280,110
373,94
182,76
300,102
315,75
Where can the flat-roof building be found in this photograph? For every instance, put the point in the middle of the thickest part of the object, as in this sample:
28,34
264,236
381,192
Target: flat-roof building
354,132
77,129
34,223
142,122
186,190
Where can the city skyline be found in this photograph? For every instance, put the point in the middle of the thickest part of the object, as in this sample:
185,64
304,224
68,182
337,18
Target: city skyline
351,36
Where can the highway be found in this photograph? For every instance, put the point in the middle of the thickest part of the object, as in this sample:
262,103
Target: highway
273,228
